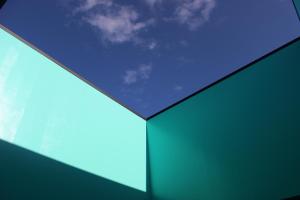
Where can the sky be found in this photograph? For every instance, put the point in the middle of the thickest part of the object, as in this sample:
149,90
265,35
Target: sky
149,54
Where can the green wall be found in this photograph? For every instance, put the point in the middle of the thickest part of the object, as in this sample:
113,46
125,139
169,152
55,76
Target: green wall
297,4
30,176
48,110
239,139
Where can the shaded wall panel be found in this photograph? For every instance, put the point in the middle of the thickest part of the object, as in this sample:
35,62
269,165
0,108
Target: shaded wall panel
297,4
28,175
50,111
240,139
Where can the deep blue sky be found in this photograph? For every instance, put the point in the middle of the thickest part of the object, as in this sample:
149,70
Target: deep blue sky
148,54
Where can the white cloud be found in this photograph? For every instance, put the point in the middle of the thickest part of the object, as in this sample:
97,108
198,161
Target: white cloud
130,77
120,25
116,23
152,3
143,72
152,45
194,13
178,88
90,4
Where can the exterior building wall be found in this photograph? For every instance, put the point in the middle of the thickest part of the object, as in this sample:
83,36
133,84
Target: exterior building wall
48,110
28,175
297,4
236,140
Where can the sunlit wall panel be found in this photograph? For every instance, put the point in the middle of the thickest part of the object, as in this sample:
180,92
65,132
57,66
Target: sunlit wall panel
50,111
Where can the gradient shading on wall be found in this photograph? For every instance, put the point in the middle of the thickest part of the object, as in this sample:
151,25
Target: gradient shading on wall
237,140
47,110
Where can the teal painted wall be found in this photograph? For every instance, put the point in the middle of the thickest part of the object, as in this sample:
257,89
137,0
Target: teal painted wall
239,139
30,176
297,4
48,110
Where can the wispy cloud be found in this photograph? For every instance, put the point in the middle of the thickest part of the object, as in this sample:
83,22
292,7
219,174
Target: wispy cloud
120,23
178,88
86,5
152,45
141,73
152,3
116,23
194,13
118,26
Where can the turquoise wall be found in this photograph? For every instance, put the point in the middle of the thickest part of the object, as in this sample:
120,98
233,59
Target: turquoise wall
48,110
297,4
30,176
239,139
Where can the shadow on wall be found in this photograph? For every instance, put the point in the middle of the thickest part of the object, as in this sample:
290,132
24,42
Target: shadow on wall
240,139
26,175
293,198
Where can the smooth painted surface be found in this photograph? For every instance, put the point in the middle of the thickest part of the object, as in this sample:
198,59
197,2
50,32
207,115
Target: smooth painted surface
50,111
28,175
297,4
240,139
